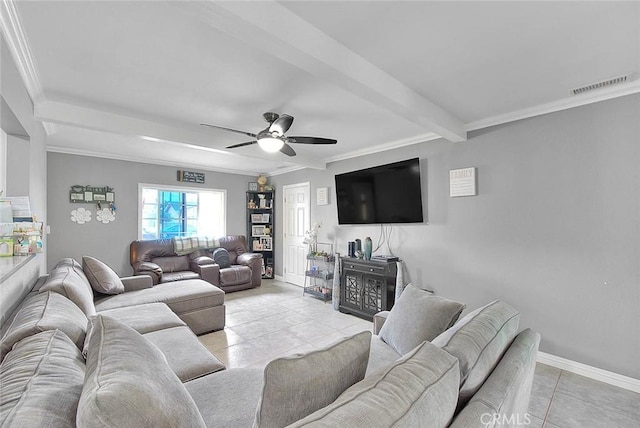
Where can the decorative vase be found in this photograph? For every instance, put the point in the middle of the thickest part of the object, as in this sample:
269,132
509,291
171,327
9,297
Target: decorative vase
367,248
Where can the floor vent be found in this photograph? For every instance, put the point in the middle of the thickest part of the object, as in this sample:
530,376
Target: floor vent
599,85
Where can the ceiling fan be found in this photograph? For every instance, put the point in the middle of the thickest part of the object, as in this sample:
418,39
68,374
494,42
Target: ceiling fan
272,138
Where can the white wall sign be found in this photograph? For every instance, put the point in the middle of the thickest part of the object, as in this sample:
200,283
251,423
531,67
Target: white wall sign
322,196
462,182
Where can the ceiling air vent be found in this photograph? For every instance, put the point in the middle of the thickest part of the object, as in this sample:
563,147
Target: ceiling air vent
599,85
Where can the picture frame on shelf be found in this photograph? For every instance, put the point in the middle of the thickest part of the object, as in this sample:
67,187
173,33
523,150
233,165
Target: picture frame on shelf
257,218
266,243
257,246
253,186
265,218
258,230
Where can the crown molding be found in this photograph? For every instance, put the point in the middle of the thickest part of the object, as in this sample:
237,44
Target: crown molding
13,33
603,94
146,160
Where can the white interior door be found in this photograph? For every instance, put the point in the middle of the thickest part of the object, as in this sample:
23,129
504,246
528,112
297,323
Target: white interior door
297,217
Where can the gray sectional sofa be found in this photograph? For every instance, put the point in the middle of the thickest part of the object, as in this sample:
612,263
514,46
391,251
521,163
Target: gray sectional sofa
142,366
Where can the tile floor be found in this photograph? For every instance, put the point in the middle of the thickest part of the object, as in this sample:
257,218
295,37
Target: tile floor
276,320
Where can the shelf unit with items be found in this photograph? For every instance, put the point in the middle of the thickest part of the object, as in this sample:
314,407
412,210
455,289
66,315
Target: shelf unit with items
318,276
260,228
20,238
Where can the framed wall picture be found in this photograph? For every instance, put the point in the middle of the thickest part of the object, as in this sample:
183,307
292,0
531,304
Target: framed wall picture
322,196
253,186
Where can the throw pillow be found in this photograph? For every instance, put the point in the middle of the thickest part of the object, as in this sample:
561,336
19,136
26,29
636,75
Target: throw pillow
101,277
129,384
221,256
417,390
418,315
43,312
297,386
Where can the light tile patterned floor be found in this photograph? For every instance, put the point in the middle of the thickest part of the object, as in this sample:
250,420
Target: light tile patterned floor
276,320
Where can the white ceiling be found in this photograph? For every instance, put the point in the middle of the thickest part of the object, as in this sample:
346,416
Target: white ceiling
133,80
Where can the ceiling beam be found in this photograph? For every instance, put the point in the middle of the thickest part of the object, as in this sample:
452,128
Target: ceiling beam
150,130
280,33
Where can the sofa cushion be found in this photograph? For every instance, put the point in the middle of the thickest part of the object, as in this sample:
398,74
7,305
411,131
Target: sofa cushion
185,296
145,318
418,315
70,281
172,263
129,384
185,354
419,389
297,386
236,407
101,277
221,257
508,389
42,381
42,312
179,276
234,275
478,341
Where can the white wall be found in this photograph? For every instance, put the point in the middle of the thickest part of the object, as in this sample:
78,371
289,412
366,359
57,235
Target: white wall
554,230
16,97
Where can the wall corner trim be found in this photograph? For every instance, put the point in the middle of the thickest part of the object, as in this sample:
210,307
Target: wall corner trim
591,372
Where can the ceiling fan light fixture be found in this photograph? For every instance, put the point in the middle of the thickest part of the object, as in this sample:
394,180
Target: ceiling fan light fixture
270,144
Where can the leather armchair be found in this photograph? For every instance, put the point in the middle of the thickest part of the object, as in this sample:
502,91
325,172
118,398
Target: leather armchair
157,259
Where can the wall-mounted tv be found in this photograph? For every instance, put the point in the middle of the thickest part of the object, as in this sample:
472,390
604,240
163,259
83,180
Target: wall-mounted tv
389,193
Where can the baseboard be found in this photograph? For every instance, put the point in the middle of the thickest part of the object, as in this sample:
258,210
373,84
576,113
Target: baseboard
591,372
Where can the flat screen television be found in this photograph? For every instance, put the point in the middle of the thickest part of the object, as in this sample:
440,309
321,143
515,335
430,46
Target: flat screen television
390,193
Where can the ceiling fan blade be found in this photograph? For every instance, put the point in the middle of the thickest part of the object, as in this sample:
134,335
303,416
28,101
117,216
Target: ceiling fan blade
229,129
281,124
311,140
288,150
241,145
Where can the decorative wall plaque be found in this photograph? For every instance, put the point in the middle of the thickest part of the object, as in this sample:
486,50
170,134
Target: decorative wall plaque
190,176
91,194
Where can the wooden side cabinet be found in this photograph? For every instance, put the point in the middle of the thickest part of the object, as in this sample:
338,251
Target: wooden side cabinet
367,286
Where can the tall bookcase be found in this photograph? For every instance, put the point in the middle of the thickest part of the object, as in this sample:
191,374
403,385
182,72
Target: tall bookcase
261,228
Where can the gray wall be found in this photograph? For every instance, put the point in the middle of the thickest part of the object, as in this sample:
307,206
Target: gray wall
19,172
554,230
110,242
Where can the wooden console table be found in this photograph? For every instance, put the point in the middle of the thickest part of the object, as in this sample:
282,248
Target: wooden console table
367,286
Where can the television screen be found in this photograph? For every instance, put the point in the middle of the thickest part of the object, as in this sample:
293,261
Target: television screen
389,193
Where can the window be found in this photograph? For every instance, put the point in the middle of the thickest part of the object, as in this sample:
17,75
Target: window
166,212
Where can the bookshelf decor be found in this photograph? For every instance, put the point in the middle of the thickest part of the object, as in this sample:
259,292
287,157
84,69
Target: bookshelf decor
260,227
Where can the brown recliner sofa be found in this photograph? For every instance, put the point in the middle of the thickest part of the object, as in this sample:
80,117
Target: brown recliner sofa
157,258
